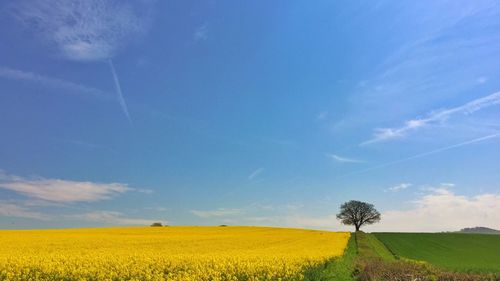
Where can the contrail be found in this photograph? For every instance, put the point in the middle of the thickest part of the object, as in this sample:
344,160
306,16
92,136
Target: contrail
426,153
119,93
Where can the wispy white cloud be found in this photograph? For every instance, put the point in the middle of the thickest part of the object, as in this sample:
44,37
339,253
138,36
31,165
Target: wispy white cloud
341,159
86,145
436,117
157,209
435,65
322,115
399,187
435,151
443,210
220,212
482,79
285,143
67,87
91,30
41,196
26,211
84,30
327,222
64,191
255,173
113,218
13,210
201,33
143,190
284,215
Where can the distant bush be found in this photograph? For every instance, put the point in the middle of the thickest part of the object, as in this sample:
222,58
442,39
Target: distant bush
156,224
223,225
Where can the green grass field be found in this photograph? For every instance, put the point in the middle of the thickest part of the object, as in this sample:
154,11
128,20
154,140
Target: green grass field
461,252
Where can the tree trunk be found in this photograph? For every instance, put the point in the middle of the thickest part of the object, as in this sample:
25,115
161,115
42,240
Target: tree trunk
357,227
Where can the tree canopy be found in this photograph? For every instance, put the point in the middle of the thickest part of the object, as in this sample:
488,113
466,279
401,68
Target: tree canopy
358,213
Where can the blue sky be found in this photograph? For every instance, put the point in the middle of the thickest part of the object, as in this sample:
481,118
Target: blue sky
252,113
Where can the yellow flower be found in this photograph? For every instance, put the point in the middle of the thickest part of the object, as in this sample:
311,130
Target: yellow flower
167,253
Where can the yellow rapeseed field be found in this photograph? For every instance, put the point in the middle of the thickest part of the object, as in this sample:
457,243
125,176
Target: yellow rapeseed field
166,253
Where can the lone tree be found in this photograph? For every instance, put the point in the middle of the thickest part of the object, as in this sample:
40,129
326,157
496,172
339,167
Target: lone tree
358,213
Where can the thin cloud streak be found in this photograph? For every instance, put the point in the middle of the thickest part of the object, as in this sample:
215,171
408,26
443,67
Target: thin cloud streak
322,115
383,134
12,210
201,33
15,210
399,187
344,159
220,212
492,136
69,87
435,65
62,191
113,218
118,89
255,173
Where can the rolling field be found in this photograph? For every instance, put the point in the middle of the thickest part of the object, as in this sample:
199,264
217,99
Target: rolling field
161,253
461,252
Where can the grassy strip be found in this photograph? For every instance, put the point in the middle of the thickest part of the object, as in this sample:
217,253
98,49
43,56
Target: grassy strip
341,268
370,247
